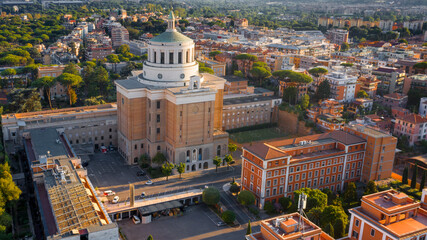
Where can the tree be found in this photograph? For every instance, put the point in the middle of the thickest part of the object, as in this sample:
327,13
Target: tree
421,67
214,53
159,158
123,49
423,180
329,229
150,237
347,64
260,73
345,47
290,95
228,159
247,60
331,213
362,94
269,208
206,70
234,188
238,74
285,202
181,168
405,175
144,160
339,228
414,176
8,189
228,217
249,229
217,162
314,215
71,68
246,198
318,71
114,59
350,194
69,81
167,169
94,101
371,188
324,90
403,41
211,196
24,100
315,197
305,101
45,83
8,72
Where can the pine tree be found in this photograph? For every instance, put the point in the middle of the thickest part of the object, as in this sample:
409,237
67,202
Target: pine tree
405,176
249,230
423,180
414,176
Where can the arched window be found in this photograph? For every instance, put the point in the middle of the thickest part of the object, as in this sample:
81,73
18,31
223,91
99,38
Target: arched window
194,154
188,156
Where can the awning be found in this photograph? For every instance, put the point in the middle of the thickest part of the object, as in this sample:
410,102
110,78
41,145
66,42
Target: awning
159,207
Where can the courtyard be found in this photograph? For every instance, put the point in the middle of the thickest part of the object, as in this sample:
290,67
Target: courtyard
197,222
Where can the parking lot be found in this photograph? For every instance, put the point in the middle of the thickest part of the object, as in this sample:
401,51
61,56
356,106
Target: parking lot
109,169
196,223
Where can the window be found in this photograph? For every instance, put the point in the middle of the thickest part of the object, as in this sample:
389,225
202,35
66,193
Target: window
158,118
372,232
268,183
357,223
158,131
297,177
274,182
158,104
142,145
355,234
290,178
136,146
291,170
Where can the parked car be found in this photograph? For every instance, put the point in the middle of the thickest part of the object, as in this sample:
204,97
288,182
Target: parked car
140,173
115,199
85,164
109,193
220,224
136,219
149,182
143,195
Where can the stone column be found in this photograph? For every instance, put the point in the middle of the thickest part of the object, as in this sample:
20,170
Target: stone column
175,56
166,56
158,56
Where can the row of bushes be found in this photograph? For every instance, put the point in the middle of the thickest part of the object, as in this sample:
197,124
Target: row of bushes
255,127
406,189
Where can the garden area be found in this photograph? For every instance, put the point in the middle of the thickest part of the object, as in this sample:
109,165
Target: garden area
256,135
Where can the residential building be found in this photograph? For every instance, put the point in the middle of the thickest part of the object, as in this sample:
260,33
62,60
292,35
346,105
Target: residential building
390,215
98,47
343,86
242,22
393,100
66,199
95,126
327,114
392,79
236,84
170,107
369,84
423,107
217,67
413,126
57,90
337,36
248,111
276,169
119,35
418,81
289,227
137,47
361,105
379,151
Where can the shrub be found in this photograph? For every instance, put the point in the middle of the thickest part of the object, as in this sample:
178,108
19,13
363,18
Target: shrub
228,217
383,187
254,210
269,208
396,184
211,196
404,188
246,198
234,188
418,195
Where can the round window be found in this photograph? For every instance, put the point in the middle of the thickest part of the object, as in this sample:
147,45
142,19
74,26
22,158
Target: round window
182,76
159,76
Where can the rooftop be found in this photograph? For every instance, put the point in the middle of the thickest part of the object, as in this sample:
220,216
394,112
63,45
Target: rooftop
373,132
412,118
390,200
249,99
47,141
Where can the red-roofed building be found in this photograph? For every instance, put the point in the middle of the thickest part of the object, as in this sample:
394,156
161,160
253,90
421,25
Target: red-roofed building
393,100
413,126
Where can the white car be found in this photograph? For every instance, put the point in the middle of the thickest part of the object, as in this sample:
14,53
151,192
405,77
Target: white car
115,199
149,182
109,193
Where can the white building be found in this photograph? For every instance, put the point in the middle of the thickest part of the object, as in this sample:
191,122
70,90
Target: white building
423,107
343,86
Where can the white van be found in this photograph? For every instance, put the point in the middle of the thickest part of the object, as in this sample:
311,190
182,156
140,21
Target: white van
136,219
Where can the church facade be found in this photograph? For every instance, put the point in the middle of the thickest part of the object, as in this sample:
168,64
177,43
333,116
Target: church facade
170,107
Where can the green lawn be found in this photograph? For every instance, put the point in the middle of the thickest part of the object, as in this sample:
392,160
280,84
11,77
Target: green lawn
256,135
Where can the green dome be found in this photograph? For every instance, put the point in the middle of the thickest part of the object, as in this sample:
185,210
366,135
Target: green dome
171,36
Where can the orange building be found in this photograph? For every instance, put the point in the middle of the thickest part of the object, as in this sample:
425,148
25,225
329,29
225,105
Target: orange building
289,227
327,114
369,84
276,169
389,215
380,150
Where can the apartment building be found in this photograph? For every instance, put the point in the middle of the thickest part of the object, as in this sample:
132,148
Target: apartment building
57,90
418,81
390,215
337,36
93,125
276,169
289,227
391,79
217,67
98,47
119,35
393,100
423,107
137,47
379,152
235,85
413,126
248,111
327,114
369,84
343,86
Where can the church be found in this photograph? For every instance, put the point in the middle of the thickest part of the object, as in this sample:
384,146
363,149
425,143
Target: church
170,107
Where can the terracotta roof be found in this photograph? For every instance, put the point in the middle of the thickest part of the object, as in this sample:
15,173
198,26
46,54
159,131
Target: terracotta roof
395,96
389,70
412,118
